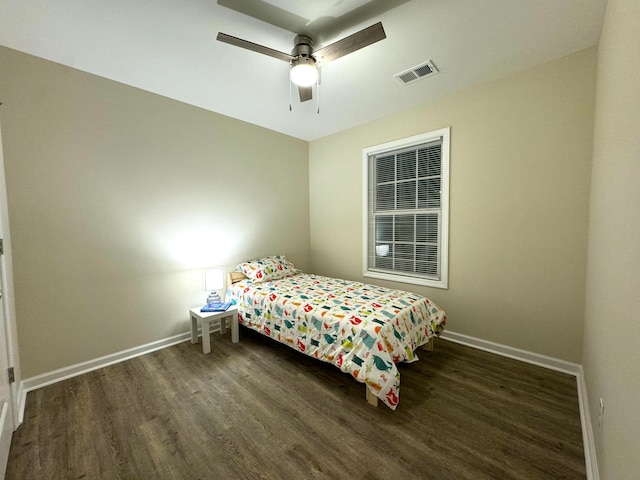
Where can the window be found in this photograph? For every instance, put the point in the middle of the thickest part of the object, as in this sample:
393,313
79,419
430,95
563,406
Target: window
406,209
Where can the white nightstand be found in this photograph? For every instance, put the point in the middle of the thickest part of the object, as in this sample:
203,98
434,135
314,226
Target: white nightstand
205,319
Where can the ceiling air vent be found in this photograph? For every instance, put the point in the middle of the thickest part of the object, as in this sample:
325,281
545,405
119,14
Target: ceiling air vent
416,73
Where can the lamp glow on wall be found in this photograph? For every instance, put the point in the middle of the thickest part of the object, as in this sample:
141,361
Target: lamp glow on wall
213,281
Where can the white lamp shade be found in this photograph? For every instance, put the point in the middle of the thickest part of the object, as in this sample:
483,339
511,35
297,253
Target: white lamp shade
213,280
304,74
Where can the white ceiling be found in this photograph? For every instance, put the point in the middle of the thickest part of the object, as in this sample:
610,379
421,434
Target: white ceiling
169,47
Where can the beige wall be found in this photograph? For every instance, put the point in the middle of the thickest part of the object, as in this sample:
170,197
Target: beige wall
118,200
520,166
612,321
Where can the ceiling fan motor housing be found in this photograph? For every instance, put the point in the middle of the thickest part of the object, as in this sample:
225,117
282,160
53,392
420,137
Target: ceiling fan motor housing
303,46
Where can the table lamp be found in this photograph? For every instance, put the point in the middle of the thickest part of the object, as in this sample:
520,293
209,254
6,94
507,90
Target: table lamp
213,282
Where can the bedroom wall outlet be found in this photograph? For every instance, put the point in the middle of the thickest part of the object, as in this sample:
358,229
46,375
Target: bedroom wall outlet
601,415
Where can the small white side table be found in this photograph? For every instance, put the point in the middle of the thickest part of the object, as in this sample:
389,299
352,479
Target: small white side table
206,318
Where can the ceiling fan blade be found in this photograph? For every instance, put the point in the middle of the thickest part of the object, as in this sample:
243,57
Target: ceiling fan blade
306,93
254,47
350,44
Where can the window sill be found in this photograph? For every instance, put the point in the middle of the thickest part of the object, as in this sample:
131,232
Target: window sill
408,279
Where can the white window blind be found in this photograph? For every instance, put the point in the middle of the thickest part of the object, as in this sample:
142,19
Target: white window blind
406,210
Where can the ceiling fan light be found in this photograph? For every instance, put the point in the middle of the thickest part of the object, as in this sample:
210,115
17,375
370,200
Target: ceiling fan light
304,74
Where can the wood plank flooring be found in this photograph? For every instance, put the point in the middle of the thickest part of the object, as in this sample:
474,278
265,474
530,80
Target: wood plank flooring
259,410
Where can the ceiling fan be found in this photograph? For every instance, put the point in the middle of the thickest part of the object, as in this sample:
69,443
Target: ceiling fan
304,60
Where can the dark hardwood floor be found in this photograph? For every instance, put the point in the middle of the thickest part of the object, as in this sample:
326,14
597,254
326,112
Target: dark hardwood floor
259,410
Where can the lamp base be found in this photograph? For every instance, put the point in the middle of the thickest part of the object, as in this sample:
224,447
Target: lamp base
213,297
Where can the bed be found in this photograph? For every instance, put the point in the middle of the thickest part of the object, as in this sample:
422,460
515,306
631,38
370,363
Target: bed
362,329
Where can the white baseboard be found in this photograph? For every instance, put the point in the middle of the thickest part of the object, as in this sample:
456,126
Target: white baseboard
563,366
587,430
22,398
33,383
515,353
42,380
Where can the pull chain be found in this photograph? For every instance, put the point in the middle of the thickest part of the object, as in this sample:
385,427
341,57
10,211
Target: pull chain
289,79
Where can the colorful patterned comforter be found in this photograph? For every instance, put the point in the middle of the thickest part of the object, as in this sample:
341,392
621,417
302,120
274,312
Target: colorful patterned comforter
362,329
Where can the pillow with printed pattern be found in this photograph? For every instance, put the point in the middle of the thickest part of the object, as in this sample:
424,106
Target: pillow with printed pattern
267,268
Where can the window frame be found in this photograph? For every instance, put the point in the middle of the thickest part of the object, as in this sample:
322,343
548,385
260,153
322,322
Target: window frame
442,134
